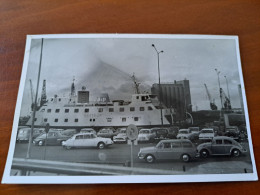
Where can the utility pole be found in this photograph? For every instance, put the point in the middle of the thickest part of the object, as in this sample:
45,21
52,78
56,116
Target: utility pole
160,90
35,105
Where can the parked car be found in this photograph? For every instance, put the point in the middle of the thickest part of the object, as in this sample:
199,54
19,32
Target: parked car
88,130
173,132
160,133
86,140
207,134
169,149
221,145
24,134
121,137
69,132
107,133
146,135
53,138
232,132
186,134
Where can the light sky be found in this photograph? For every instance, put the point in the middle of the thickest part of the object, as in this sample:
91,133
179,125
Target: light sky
105,66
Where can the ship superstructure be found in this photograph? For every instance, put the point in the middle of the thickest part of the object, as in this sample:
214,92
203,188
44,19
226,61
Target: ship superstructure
77,111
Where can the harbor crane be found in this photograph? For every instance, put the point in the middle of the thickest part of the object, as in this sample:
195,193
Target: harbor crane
211,101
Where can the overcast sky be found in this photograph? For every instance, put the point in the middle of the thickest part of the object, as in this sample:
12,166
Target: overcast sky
105,65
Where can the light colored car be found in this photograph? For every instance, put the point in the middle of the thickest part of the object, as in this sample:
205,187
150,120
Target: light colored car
146,135
121,137
221,145
86,140
88,130
207,134
169,149
184,134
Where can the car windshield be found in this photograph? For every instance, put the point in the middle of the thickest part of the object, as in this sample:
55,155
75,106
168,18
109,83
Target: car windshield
144,132
183,132
123,131
207,131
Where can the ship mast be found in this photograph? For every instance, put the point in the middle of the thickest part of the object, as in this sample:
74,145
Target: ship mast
136,84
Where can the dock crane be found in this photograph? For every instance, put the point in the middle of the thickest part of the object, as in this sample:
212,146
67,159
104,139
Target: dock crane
211,101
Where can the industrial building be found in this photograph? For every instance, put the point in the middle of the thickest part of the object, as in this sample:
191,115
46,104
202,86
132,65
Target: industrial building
175,95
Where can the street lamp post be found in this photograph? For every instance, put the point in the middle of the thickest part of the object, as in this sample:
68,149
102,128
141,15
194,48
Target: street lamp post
160,90
28,154
220,93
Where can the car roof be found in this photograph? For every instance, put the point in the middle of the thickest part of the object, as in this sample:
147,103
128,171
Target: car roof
175,140
223,137
84,134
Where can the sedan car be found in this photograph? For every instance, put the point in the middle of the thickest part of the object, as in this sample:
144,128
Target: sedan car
88,130
121,137
146,135
207,134
169,149
86,140
221,145
24,134
53,137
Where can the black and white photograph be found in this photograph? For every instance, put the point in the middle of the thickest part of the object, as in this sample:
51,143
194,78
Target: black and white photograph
130,108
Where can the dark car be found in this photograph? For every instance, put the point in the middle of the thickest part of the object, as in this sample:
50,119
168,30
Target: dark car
169,149
52,138
173,132
24,134
107,132
160,133
221,145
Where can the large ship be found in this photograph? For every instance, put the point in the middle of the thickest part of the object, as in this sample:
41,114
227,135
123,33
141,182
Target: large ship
77,111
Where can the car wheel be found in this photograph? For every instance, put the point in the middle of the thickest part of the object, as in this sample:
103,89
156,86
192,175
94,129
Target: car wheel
185,158
204,153
101,145
149,158
236,152
40,143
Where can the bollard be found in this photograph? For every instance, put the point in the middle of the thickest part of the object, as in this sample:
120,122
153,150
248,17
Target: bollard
183,168
245,170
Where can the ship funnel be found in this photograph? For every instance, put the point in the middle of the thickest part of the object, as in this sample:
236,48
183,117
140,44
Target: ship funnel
83,95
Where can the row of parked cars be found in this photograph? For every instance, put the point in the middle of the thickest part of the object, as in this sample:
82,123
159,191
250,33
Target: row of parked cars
185,150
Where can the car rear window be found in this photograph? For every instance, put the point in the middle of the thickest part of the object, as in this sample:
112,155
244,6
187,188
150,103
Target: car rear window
176,144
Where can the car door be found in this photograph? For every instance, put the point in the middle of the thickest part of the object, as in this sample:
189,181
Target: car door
218,147
50,138
78,142
165,151
87,141
228,145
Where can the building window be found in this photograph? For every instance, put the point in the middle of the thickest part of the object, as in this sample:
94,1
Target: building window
121,109
76,110
57,110
135,118
141,108
49,110
65,120
59,99
90,120
150,108
67,110
94,120
35,119
137,97
132,109
111,109
109,119
45,120
86,110
100,110
56,120
123,119
76,120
